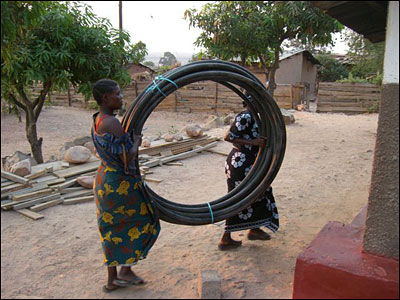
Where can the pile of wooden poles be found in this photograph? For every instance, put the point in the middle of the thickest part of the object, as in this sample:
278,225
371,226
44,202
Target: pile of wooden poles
56,183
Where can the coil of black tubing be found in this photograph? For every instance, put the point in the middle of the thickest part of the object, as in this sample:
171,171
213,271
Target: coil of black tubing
268,117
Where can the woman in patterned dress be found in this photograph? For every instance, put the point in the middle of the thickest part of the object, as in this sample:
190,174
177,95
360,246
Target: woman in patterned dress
128,222
243,133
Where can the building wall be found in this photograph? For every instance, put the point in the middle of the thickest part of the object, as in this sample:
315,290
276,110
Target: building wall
309,74
290,70
382,225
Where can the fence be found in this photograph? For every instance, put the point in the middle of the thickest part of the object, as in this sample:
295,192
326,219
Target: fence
204,96
348,97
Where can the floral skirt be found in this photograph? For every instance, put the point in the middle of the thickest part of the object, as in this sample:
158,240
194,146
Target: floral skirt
263,212
128,222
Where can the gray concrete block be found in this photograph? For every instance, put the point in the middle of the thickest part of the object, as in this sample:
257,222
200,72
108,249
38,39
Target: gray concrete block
209,285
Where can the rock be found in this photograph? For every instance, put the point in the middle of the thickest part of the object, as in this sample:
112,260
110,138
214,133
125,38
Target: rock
86,181
82,140
178,137
168,137
193,130
287,116
76,142
18,156
146,143
21,168
90,146
64,149
77,155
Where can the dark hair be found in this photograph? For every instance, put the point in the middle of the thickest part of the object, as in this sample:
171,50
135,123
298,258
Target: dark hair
101,87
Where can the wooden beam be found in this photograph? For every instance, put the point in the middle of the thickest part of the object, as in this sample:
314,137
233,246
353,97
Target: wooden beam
30,214
42,206
30,203
14,177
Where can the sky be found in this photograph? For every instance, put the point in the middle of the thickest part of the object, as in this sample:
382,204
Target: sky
160,25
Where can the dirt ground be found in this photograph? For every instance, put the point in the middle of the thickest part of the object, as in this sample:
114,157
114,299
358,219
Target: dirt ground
324,177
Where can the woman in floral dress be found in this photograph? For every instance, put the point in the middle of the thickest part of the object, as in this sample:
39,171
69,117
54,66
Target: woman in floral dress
243,133
128,222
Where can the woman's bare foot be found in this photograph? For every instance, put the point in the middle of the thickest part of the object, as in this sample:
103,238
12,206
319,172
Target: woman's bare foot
127,274
258,234
227,242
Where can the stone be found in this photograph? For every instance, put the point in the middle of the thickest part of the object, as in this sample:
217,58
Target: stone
21,168
209,284
90,146
18,156
229,119
82,140
168,137
178,137
146,143
77,155
86,181
193,130
287,116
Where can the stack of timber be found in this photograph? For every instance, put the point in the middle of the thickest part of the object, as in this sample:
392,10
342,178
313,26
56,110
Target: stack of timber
349,98
56,183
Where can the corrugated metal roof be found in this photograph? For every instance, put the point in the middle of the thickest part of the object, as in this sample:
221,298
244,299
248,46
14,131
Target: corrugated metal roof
307,53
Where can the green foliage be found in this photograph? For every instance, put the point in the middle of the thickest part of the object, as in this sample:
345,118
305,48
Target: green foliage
330,69
366,56
168,59
255,30
376,79
149,64
55,43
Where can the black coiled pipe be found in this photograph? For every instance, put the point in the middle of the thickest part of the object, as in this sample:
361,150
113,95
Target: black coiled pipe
268,117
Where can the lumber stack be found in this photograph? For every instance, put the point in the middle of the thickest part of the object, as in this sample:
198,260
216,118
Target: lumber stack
56,183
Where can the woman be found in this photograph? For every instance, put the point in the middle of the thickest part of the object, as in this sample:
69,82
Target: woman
243,133
127,221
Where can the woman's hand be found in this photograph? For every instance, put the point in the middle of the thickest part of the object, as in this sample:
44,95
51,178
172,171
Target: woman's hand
260,142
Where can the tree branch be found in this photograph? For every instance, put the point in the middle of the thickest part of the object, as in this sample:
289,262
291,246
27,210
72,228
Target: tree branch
38,103
13,99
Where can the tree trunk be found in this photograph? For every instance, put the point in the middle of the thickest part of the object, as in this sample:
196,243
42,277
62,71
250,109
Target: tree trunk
31,134
272,72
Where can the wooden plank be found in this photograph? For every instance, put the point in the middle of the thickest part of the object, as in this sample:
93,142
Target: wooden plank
153,180
78,194
174,164
218,152
179,156
12,188
14,177
42,206
40,200
36,174
30,214
7,183
66,184
31,195
78,200
72,189
92,166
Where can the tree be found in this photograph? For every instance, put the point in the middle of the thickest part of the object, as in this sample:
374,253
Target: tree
330,69
255,30
366,56
55,43
168,59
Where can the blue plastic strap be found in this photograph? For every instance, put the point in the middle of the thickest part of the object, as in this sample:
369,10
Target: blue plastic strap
211,212
155,85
